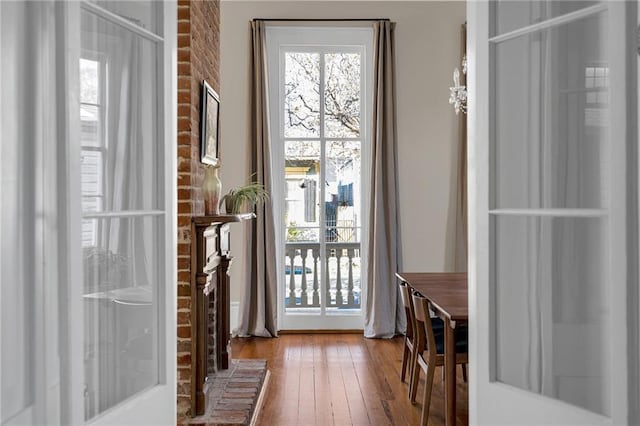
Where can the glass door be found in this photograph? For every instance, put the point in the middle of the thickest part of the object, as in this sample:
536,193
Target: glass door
548,115
321,134
126,198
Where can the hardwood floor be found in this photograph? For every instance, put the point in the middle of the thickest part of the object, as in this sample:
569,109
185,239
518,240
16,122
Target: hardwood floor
341,379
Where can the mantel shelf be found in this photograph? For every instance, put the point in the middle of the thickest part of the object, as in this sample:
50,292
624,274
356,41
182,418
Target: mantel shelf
222,218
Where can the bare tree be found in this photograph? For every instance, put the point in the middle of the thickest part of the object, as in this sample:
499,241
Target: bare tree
341,94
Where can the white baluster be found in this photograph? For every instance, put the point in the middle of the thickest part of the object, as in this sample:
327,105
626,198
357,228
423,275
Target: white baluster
339,300
316,293
304,297
292,282
350,298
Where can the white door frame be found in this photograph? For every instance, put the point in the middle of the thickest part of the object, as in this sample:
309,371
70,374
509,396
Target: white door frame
517,406
317,39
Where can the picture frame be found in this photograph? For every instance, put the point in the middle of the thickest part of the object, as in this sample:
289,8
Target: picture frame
209,125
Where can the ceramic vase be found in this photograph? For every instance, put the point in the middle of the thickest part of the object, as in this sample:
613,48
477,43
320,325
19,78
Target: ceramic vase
211,190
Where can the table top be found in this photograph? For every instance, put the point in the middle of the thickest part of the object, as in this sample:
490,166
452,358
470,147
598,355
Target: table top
140,294
447,292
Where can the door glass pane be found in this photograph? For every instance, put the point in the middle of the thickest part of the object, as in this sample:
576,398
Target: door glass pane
302,95
513,14
342,95
342,192
302,221
120,171
550,122
551,308
120,311
119,117
343,224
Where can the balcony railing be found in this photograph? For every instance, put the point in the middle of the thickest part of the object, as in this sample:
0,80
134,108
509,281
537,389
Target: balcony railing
304,272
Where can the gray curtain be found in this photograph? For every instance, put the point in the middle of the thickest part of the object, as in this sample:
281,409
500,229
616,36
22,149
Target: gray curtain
258,306
384,316
461,195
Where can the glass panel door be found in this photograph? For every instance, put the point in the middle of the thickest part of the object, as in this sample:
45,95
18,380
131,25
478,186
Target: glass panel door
123,204
549,215
323,214
319,137
549,211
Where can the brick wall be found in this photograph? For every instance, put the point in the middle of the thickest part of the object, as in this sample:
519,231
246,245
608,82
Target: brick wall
198,59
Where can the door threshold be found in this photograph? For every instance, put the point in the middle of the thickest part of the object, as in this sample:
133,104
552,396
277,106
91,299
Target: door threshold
336,331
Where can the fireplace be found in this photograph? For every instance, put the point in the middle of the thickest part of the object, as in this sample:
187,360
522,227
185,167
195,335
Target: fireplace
211,261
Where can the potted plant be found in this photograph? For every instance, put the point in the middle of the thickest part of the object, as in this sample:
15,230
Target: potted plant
244,198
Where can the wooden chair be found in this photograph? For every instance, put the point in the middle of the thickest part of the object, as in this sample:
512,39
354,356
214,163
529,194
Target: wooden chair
429,349
408,354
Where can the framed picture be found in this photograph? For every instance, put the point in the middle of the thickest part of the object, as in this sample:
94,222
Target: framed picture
209,120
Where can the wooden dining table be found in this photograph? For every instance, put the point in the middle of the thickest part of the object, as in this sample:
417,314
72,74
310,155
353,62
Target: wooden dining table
447,293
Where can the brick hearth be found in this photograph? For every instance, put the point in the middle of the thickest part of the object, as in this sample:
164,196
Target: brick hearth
233,395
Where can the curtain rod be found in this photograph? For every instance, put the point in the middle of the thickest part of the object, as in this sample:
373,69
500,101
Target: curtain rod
320,20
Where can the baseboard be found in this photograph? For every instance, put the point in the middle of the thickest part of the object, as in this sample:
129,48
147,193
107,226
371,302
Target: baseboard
234,313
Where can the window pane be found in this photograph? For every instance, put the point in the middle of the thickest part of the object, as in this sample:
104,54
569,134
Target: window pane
551,317
342,95
91,125
89,81
302,196
513,14
120,311
128,173
549,131
91,175
342,192
302,95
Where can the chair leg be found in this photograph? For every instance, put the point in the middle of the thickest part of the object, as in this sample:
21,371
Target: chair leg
426,400
464,372
415,374
405,355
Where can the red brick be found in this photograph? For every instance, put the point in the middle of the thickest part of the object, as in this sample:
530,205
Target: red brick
184,124
184,249
184,359
185,277
184,262
184,27
184,318
184,166
198,59
184,194
184,179
184,332
184,290
184,220
184,208
184,346
184,68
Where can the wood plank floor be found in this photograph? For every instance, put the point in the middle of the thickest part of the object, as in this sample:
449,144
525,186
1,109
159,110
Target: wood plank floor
341,379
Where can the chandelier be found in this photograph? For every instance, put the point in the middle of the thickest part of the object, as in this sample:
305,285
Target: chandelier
458,92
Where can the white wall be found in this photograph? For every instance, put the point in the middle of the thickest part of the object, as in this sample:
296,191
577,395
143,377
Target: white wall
427,49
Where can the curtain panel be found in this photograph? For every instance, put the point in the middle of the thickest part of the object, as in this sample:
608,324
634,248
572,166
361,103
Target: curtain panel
259,304
384,315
